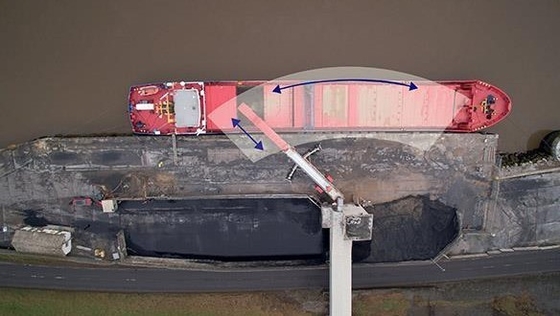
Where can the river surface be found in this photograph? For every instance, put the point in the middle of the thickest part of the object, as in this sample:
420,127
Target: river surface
66,66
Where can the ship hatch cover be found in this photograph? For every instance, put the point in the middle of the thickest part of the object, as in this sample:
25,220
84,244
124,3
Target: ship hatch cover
187,108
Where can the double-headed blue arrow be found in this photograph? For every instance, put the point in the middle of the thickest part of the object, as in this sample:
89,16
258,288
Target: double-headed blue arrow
411,86
236,123
258,145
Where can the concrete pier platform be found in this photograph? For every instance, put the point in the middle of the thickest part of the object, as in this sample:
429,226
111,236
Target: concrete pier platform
458,170
375,170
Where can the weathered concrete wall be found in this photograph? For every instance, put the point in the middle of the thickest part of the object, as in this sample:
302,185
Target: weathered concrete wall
527,211
523,210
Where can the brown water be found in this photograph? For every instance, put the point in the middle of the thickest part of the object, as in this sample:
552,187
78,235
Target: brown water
65,66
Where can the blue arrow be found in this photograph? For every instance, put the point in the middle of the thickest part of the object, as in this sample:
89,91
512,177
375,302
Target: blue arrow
236,123
410,86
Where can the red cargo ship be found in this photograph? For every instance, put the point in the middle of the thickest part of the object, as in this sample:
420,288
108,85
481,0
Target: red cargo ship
183,107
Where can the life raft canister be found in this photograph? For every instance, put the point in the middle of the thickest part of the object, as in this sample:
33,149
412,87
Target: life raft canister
149,90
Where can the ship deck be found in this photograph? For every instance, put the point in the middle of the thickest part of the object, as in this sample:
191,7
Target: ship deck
453,106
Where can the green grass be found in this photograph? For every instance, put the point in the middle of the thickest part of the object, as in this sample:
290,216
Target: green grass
36,259
29,259
46,302
381,304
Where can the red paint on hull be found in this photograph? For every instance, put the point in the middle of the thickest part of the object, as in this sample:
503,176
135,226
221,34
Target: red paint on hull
183,108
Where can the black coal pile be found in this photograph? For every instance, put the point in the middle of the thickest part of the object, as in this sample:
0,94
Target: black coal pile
411,228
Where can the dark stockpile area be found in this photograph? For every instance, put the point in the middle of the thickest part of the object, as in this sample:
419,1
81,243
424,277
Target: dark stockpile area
229,229
411,228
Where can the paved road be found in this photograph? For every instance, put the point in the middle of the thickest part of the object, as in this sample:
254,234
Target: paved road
364,275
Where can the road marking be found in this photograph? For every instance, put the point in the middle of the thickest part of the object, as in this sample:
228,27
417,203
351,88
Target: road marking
130,280
525,248
506,250
58,277
437,264
475,255
487,267
549,247
506,265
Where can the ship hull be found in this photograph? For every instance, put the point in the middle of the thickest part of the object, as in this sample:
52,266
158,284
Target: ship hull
185,108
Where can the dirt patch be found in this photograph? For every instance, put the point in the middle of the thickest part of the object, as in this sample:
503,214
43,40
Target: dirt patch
510,305
34,218
139,184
